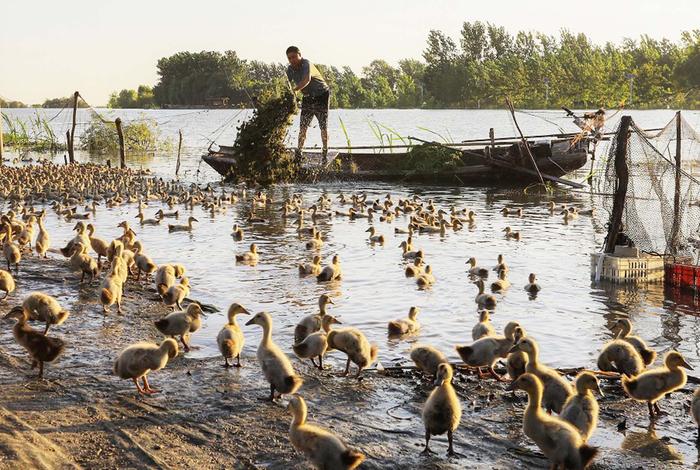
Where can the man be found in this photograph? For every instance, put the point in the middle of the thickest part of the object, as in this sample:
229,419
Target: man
316,95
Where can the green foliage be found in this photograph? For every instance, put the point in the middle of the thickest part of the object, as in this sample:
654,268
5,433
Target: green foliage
140,136
11,104
141,98
431,158
66,102
33,134
260,150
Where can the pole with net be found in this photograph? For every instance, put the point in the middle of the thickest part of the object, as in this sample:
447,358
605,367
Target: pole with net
675,230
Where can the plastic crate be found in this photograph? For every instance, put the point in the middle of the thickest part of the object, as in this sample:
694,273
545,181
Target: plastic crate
627,270
683,275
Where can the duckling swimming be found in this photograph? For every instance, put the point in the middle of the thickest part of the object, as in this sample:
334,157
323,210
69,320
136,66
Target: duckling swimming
404,326
442,411
581,409
324,449
181,323
511,235
373,237
354,343
477,270
331,272
652,385
532,287
144,221
249,257
230,338
415,269
312,323
237,233
426,279
137,360
624,328
316,344
407,253
482,299
502,283
7,283
484,327
182,228
620,356
558,440
427,358
306,269
274,363
41,348
315,243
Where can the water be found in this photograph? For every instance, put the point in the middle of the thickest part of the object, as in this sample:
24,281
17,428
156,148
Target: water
570,318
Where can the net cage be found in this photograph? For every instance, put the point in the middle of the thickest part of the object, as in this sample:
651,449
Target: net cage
661,209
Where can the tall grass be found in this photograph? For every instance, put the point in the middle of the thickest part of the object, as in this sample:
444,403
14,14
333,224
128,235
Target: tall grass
345,132
34,134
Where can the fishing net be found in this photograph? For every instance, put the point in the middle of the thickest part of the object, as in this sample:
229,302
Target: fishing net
662,206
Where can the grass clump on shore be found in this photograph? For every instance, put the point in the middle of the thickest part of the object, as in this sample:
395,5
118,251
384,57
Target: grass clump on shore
140,136
35,134
260,150
431,158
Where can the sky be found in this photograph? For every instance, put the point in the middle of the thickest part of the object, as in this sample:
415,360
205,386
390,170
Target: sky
50,49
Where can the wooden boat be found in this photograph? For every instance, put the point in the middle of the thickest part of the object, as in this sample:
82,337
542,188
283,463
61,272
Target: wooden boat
505,162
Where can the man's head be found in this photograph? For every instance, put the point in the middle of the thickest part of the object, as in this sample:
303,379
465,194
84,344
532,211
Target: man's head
294,56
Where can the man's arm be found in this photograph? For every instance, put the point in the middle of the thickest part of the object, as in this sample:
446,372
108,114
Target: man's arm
305,77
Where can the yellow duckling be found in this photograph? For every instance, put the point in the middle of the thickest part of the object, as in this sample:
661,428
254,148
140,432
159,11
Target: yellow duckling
81,261
501,264
113,286
511,235
274,363
620,356
41,348
249,257
532,287
331,272
12,253
166,276
558,440
181,323
427,359
144,221
43,241
652,385
143,262
485,351
354,343
7,283
484,327
624,328
408,253
315,243
415,269
230,338
581,409
405,326
556,389
442,411
567,216
44,308
162,215
177,293
316,344
475,269
482,299
373,237
323,448
312,323
237,233
98,245
313,268
502,283
426,279
182,228
137,360
516,362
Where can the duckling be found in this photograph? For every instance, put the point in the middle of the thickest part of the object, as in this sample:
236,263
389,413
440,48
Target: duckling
427,359
230,338
12,253
137,360
652,385
354,343
581,409
484,300
442,410
312,323
407,253
516,362
516,212
620,356
166,275
306,269
143,262
7,283
316,344
324,449
182,228
181,323
501,265
556,389
315,243
426,279
532,287
511,235
162,215
98,245
81,261
373,237
44,308
567,216
274,363
237,233
485,351
41,348
43,241
405,326
624,327
502,283
415,269
484,327
249,257
476,270
695,409
177,293
558,440
331,272
144,221
112,288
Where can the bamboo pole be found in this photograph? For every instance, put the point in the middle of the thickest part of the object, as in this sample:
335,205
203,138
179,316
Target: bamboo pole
179,148
523,140
622,173
675,229
120,134
71,138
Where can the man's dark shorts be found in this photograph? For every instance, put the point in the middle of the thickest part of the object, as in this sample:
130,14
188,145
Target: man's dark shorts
315,106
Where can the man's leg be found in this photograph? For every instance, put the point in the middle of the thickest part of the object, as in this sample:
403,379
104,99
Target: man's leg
322,116
304,122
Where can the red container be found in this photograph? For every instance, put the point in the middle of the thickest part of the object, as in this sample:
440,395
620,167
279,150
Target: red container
683,275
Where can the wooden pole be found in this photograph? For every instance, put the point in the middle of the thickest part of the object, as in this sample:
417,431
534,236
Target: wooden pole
179,148
622,174
2,143
71,139
65,161
522,138
675,229
120,134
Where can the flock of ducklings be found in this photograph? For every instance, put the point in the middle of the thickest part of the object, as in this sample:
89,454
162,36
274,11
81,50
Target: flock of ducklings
562,438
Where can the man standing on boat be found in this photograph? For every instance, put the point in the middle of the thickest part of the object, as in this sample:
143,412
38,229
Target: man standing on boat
316,96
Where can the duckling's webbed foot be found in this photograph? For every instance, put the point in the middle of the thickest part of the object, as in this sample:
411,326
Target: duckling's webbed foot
147,388
427,450
496,376
226,364
238,361
138,387
450,449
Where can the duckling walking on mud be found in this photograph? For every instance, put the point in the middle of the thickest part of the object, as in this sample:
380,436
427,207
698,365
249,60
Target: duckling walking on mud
442,411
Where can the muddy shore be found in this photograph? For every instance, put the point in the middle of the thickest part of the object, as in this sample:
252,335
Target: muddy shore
211,417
